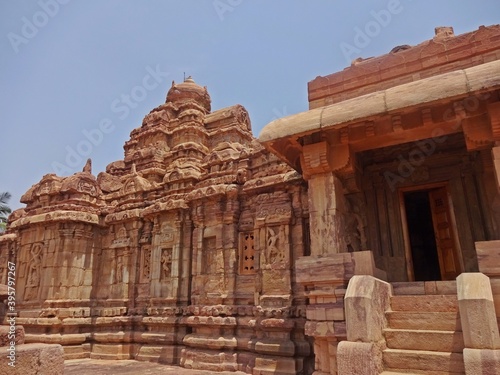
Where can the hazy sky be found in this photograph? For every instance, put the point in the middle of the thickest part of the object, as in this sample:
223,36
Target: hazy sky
76,76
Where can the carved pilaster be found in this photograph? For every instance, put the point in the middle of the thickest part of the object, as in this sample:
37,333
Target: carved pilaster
327,207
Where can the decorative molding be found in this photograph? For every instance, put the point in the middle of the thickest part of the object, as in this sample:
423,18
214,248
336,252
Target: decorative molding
370,129
478,132
396,123
344,135
494,117
342,159
314,159
426,117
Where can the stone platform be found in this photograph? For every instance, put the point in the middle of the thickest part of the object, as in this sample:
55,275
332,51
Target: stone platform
129,367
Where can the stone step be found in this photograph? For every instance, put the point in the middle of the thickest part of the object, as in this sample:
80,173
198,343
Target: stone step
405,372
441,321
424,360
425,303
439,341
416,372
424,287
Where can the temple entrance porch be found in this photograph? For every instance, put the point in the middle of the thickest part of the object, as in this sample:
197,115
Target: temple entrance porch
425,212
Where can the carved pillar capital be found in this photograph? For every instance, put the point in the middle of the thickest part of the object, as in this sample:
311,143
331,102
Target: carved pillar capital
478,132
323,157
314,159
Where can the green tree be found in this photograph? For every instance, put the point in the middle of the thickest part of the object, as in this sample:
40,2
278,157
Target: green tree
4,209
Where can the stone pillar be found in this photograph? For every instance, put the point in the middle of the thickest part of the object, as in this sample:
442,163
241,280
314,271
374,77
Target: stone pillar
366,301
326,214
184,270
479,324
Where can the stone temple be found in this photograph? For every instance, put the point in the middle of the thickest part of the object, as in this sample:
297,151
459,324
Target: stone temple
359,237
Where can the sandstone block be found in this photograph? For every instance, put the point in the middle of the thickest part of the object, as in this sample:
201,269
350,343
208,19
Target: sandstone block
358,358
477,311
482,361
366,301
284,348
488,256
33,359
116,351
4,291
8,334
319,329
276,366
424,362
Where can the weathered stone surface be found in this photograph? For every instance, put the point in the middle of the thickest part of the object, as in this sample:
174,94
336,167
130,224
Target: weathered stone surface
10,334
482,361
424,361
34,359
420,339
130,367
366,302
488,253
477,312
358,358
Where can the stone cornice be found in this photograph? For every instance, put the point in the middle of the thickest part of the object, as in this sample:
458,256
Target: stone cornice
54,217
449,85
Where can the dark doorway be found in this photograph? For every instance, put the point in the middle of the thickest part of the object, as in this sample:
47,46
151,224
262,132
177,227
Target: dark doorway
422,237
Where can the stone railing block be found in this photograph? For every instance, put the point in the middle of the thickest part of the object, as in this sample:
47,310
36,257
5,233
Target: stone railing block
355,358
482,361
477,311
366,302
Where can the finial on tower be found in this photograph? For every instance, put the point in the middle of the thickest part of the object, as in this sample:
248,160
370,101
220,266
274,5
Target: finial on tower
88,166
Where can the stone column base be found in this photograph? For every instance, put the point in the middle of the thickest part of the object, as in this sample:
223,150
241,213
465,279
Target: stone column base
482,361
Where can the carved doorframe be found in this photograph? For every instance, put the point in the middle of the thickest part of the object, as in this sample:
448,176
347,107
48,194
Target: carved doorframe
404,223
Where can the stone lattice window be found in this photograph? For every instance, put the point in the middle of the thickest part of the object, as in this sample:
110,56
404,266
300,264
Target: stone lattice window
247,254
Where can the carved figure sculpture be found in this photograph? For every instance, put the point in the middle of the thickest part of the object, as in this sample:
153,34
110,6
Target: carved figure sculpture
35,265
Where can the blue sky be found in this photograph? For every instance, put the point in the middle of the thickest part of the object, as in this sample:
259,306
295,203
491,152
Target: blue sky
77,76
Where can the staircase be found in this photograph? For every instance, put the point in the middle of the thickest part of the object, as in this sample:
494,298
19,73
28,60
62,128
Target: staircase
424,334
